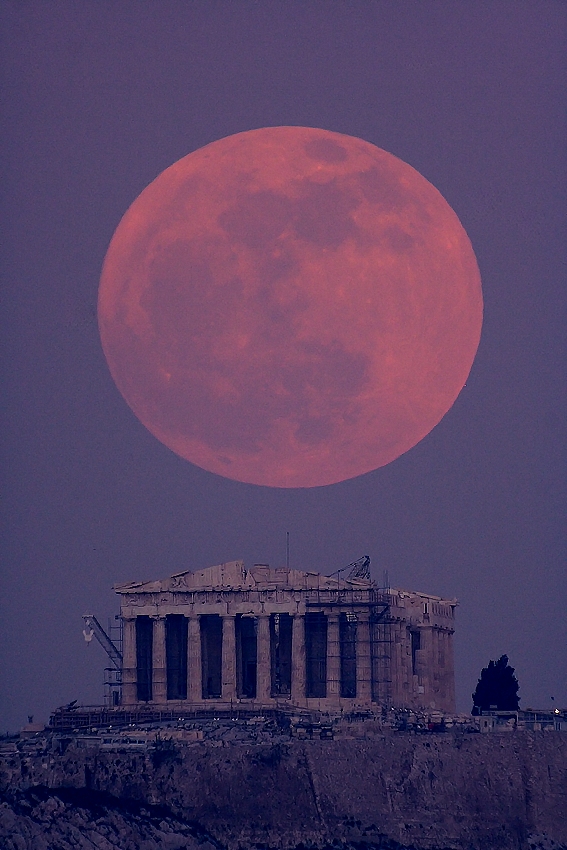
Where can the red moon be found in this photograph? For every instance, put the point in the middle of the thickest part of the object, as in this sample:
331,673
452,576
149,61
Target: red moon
290,307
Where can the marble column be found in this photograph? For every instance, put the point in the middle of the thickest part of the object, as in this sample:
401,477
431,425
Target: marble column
263,660
436,672
448,673
450,664
298,660
398,648
159,693
194,671
129,673
228,658
363,659
423,660
333,658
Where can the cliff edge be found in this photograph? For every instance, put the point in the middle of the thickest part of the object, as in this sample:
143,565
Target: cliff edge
392,791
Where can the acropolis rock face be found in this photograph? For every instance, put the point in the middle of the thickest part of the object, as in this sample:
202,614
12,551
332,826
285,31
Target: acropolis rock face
389,791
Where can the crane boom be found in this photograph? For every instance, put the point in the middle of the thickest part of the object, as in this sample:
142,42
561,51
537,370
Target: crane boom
360,568
111,650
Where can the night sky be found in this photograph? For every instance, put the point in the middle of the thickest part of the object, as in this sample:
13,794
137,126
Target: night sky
98,99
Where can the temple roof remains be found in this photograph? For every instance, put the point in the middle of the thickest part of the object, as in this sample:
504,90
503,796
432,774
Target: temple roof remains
235,576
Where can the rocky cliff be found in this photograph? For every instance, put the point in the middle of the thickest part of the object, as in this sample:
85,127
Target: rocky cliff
392,791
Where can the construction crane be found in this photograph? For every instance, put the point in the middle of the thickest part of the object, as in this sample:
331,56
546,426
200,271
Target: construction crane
360,568
94,629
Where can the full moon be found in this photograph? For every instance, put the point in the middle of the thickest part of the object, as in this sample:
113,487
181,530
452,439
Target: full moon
290,307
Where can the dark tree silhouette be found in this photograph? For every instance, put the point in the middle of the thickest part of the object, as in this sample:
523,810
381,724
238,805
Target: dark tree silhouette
497,686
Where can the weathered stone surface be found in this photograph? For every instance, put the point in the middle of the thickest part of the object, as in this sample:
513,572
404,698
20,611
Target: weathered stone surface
44,820
479,792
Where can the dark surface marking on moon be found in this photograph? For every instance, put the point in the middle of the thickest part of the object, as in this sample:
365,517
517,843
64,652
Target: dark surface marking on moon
325,150
283,306
397,239
322,214
335,372
312,430
258,219
281,262
381,188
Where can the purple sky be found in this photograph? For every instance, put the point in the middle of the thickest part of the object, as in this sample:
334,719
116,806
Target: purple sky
99,98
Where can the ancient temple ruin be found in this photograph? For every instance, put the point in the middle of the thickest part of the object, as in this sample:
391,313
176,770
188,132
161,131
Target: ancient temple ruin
269,638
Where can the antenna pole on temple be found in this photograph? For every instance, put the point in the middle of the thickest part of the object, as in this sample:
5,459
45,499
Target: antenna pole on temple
287,549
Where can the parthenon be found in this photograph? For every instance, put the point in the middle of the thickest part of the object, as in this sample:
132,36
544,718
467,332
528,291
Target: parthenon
279,637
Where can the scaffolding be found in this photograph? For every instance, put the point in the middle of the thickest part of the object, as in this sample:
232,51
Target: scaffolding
111,641
381,656
378,602
112,682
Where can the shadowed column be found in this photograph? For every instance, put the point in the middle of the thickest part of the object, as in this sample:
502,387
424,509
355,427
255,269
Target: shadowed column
194,673
333,658
398,694
298,660
450,672
442,671
363,660
436,673
228,658
423,661
129,696
263,669
158,655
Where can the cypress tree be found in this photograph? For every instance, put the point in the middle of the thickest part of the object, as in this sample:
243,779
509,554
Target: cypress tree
497,686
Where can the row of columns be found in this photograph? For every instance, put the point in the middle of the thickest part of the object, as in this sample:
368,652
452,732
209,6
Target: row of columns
263,660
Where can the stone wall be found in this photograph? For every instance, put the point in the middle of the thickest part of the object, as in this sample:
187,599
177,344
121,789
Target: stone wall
494,792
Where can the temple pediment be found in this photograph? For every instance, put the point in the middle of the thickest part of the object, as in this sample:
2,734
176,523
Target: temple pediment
235,575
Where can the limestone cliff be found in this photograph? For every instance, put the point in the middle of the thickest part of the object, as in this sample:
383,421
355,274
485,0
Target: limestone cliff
477,792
